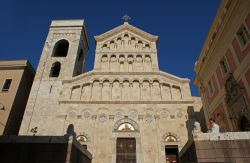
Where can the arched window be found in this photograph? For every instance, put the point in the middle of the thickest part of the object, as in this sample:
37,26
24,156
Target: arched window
55,69
170,138
147,46
126,35
61,48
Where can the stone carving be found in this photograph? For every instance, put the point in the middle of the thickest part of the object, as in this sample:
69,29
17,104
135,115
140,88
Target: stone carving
72,115
124,121
103,118
148,118
197,127
179,114
133,114
70,36
118,114
164,114
86,114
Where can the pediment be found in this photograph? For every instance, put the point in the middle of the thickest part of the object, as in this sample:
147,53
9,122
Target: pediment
130,29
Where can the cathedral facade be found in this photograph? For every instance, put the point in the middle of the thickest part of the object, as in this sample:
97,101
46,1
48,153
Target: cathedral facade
124,110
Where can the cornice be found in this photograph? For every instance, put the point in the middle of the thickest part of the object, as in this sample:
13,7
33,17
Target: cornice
127,102
93,73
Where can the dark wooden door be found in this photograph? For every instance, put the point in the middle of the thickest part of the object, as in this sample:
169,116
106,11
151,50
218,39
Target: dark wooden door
171,159
126,150
171,154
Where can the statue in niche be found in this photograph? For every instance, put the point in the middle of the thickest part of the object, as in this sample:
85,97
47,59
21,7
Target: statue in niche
197,127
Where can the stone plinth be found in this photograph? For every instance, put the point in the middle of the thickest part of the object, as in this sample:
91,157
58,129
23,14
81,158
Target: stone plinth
224,147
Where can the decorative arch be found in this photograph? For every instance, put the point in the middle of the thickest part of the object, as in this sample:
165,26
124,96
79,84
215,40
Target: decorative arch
61,48
83,139
129,122
125,35
170,137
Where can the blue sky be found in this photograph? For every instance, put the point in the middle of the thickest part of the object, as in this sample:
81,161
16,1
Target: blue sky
182,27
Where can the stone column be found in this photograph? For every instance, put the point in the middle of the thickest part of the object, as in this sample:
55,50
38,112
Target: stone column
91,93
101,85
130,90
143,63
150,87
111,87
109,63
171,96
160,84
140,85
121,88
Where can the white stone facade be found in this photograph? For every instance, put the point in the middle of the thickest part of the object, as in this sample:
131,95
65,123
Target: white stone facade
126,86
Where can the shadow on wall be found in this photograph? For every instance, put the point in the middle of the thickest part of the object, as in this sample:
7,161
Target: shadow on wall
193,117
53,149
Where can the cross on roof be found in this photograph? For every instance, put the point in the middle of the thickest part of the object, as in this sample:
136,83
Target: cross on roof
126,18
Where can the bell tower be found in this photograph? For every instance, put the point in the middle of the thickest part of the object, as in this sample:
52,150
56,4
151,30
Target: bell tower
64,51
63,57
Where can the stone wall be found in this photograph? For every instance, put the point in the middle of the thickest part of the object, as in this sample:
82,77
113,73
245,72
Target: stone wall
224,147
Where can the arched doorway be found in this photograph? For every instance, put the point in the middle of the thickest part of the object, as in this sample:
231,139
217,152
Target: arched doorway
244,124
172,144
126,142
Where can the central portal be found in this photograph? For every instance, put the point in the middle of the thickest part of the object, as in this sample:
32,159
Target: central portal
171,154
126,150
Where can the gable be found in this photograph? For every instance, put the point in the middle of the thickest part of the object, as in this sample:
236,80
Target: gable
129,28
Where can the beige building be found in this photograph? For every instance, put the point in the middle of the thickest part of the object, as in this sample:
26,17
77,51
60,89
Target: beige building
223,67
125,106
16,78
